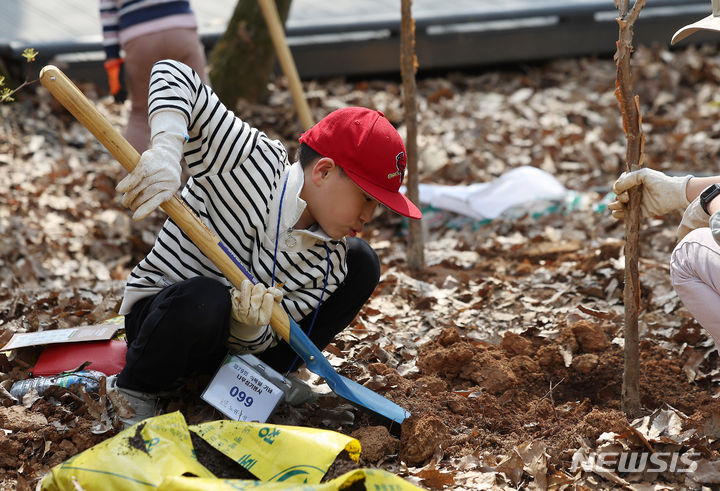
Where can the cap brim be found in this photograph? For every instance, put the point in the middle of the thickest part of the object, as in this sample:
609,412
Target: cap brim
395,200
709,23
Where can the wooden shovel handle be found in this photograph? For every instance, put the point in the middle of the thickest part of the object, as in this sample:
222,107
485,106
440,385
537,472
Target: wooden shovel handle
205,239
277,34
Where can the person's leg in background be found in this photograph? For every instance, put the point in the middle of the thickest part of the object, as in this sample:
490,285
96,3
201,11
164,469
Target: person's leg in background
695,275
139,59
338,310
141,53
184,45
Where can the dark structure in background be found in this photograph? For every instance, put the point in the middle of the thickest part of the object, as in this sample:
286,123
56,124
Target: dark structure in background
449,35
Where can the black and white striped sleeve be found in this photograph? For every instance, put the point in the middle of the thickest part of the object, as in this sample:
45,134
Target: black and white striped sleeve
218,140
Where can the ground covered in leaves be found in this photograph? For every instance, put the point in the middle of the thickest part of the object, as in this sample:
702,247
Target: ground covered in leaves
507,348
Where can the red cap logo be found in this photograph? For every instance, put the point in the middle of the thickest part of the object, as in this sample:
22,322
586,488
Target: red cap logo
400,165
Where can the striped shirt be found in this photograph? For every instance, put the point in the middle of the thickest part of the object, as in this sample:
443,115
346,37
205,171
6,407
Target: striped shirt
123,20
237,177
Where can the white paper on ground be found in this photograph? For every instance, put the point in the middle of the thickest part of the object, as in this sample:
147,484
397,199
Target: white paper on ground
522,185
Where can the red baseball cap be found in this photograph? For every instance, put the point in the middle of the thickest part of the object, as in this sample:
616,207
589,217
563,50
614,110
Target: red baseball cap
370,151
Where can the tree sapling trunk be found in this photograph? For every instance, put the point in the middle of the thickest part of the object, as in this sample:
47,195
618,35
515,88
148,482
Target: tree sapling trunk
634,156
408,64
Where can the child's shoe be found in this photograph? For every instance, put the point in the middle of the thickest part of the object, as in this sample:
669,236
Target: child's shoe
142,404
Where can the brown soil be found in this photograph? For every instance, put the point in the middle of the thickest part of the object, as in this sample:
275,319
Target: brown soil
137,440
217,462
376,443
41,437
496,398
342,464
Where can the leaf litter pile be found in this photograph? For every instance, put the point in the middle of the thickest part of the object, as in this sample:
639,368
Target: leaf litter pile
507,348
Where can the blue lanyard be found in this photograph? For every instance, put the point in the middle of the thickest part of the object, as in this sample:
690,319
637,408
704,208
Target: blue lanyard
327,268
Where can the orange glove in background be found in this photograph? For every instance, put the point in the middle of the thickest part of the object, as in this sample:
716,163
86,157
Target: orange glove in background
115,72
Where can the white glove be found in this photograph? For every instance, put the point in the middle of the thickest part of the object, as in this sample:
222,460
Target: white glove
694,217
252,306
661,193
157,175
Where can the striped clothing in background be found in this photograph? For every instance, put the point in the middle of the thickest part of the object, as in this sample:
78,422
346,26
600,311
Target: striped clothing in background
237,177
123,20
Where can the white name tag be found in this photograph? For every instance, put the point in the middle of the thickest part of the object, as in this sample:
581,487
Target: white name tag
241,392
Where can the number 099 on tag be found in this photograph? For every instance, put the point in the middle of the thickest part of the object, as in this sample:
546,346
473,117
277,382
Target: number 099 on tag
241,393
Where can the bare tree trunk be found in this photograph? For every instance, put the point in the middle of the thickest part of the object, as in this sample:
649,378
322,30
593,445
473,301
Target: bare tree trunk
243,60
634,156
408,64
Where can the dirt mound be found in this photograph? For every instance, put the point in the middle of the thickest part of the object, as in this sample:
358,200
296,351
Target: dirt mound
472,396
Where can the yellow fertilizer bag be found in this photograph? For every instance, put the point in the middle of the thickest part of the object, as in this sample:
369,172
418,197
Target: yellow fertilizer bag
138,458
291,454
372,479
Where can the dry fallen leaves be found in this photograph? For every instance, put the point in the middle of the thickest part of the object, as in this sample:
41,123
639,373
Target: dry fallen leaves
66,247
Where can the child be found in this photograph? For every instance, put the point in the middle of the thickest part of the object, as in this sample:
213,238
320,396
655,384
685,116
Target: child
292,226
695,261
147,31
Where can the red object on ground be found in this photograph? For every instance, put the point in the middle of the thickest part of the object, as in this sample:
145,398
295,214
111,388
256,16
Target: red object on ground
107,357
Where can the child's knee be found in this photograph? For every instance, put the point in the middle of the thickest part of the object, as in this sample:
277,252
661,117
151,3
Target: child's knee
363,262
205,305
694,257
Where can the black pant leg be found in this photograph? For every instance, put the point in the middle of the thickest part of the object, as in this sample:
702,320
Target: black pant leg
338,310
179,331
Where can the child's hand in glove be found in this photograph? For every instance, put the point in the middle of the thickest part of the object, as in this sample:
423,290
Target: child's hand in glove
252,306
154,180
661,193
157,175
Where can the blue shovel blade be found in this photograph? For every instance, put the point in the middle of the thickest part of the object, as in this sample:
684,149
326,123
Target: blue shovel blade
342,386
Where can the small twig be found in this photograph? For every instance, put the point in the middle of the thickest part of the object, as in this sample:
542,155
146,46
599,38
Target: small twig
8,96
549,394
552,400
